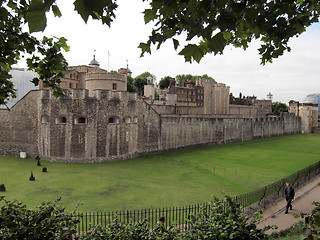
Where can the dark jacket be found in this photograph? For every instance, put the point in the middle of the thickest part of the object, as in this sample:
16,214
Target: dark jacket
289,192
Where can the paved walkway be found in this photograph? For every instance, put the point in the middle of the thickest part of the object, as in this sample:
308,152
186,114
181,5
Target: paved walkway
304,197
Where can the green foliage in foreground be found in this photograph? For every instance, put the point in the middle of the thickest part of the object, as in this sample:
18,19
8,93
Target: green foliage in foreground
163,180
312,222
50,221
295,232
224,220
309,229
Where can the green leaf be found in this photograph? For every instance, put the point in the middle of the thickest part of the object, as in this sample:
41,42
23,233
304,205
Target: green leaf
82,9
227,35
175,43
145,47
37,20
191,51
217,43
36,16
56,11
64,44
35,81
149,15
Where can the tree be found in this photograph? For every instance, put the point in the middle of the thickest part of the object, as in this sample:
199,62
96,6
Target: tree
147,76
130,85
156,95
215,24
46,54
210,25
139,84
278,107
205,76
164,82
189,77
141,80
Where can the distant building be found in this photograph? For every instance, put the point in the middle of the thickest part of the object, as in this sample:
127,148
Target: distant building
313,98
189,92
308,112
93,77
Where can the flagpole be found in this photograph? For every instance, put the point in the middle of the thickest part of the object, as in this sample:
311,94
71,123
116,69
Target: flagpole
108,60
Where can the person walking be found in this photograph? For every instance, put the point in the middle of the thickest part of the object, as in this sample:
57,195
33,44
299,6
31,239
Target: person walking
289,195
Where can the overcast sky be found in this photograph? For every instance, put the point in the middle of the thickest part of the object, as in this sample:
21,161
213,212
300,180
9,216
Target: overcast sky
292,76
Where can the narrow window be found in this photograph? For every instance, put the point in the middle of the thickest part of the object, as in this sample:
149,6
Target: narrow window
114,86
61,120
127,120
80,120
80,140
44,119
135,120
114,120
70,85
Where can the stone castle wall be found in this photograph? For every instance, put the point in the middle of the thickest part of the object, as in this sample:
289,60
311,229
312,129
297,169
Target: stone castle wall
18,130
184,131
111,126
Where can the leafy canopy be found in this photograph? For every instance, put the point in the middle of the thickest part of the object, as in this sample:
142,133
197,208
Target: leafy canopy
46,54
207,26
164,82
211,25
189,77
279,107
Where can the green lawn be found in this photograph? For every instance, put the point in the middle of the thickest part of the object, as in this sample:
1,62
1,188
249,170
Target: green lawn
171,179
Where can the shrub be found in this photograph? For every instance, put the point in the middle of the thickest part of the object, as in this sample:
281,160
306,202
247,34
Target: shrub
224,220
131,230
312,222
48,221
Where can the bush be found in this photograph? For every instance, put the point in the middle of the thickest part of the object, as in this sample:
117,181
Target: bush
224,220
312,223
48,221
131,230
